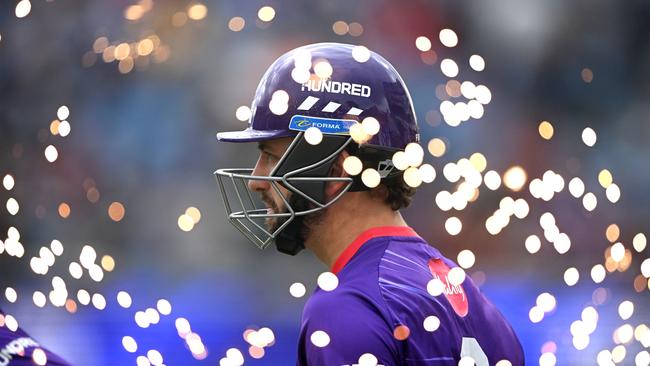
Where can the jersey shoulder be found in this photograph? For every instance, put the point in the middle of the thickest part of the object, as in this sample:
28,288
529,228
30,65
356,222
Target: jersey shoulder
415,282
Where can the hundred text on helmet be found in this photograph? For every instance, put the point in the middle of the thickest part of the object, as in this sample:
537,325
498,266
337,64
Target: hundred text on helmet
336,87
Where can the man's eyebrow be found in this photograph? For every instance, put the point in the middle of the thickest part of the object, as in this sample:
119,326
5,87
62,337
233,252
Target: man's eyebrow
266,148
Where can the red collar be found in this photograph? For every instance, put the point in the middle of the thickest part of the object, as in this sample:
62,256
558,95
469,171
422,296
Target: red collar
374,232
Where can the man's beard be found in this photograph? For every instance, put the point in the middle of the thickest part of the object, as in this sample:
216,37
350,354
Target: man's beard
273,223
298,203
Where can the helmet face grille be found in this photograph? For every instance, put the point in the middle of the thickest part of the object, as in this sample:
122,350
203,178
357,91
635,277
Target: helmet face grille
247,212
245,209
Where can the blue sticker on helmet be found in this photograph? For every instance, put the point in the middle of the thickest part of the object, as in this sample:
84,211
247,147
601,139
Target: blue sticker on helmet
331,126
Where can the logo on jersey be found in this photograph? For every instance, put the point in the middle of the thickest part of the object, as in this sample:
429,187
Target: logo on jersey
454,293
330,126
15,347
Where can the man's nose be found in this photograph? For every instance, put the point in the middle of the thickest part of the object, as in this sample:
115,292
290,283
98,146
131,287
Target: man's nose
258,185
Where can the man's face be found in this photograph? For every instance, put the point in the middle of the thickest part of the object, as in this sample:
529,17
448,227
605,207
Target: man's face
270,153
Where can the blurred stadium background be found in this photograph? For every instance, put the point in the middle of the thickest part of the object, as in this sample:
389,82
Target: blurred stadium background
147,84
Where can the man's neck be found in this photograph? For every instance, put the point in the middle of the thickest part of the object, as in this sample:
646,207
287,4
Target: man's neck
344,222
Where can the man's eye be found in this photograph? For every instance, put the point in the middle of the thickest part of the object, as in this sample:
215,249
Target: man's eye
270,158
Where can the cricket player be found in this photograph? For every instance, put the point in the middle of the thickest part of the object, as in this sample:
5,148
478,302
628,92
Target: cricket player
17,348
327,181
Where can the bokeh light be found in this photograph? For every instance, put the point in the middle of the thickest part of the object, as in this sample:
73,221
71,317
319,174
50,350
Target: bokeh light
423,43
328,281
589,136
266,13
116,211
546,130
515,178
320,339
449,68
477,63
297,290
448,37
197,11
236,24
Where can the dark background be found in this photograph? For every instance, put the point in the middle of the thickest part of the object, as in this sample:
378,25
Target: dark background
146,139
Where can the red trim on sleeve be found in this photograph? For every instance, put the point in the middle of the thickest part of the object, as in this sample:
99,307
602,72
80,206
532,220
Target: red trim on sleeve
374,232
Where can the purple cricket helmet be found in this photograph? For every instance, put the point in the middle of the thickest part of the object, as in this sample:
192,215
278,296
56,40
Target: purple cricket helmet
355,88
331,87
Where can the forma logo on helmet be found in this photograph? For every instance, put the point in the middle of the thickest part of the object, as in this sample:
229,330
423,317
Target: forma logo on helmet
330,121
331,87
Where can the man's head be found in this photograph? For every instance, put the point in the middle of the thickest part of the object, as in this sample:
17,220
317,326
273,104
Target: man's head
315,107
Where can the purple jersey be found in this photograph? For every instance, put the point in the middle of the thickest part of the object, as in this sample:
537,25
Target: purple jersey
17,349
381,302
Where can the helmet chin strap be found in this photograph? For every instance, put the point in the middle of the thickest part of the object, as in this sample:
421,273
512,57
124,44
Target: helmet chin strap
290,240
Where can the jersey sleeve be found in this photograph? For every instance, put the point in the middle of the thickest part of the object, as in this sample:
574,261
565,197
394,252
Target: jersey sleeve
338,329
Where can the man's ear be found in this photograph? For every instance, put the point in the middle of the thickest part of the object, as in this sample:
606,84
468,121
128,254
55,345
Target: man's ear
332,189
